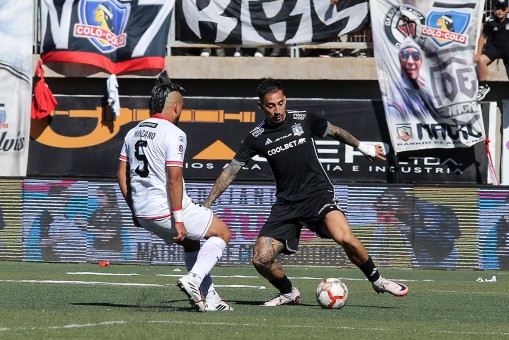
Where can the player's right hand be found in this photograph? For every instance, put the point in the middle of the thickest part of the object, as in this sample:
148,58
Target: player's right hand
181,231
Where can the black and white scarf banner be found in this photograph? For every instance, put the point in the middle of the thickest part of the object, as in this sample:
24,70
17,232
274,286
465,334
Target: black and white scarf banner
424,56
105,35
248,22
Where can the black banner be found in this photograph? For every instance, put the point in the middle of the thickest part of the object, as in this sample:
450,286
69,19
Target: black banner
81,139
268,22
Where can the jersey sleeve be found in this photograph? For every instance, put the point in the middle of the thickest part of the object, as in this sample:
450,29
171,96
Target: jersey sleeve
247,150
123,152
318,125
176,149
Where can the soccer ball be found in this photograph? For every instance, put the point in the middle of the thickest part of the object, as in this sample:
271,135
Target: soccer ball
331,293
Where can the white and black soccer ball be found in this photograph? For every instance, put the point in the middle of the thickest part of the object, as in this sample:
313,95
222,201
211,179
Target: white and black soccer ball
331,293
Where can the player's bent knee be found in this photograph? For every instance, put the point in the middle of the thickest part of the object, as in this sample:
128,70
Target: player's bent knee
343,236
220,229
261,262
226,234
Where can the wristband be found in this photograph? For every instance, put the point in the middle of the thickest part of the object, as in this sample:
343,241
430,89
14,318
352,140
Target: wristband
366,149
178,215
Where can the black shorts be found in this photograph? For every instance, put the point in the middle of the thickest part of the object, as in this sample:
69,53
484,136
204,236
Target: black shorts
286,219
495,53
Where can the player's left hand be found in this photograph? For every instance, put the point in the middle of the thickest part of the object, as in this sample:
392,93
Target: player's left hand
181,231
372,151
380,154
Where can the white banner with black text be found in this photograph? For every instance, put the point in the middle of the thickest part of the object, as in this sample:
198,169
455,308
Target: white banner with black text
424,56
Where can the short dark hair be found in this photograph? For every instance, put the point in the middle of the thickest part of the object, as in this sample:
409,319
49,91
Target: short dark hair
164,86
269,86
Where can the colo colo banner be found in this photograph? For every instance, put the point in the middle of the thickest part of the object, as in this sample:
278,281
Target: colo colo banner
107,35
267,22
424,55
16,31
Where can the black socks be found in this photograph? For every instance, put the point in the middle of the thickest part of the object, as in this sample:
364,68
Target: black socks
369,269
284,285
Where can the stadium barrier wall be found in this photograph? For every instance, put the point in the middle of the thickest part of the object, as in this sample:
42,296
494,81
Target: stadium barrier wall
420,227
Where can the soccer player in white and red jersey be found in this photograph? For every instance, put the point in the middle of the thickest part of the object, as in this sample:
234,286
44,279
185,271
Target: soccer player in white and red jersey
150,176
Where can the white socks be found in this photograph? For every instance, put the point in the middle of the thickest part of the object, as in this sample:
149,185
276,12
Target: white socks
204,260
190,260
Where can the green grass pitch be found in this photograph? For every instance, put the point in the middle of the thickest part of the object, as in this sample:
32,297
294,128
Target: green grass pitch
86,301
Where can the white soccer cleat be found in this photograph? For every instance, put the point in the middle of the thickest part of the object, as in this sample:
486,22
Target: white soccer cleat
383,285
221,306
285,299
193,292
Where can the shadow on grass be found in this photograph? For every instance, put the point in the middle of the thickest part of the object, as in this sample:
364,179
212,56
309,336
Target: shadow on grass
151,308
260,303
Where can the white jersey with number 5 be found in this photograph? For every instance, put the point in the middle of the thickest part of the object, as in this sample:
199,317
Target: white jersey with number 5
149,148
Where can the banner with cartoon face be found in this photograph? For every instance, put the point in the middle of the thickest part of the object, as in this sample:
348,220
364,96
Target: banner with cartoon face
105,36
424,56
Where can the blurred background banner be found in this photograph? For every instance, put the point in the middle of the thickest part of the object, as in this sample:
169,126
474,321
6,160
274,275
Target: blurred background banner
80,38
16,30
434,227
268,22
424,56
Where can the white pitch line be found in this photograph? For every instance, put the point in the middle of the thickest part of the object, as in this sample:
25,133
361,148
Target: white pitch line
102,274
258,277
107,323
294,278
101,283
89,283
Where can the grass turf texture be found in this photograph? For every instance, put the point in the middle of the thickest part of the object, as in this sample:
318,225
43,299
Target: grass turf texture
67,301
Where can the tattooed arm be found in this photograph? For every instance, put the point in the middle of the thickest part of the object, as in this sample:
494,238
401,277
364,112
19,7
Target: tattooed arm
369,151
342,136
222,182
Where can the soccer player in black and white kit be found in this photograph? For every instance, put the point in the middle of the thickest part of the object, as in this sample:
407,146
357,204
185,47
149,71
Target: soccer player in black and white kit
304,193
150,178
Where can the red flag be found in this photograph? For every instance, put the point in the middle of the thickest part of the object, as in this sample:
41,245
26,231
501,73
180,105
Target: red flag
43,101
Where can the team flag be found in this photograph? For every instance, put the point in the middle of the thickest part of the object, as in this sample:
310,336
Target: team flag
424,57
82,37
268,22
